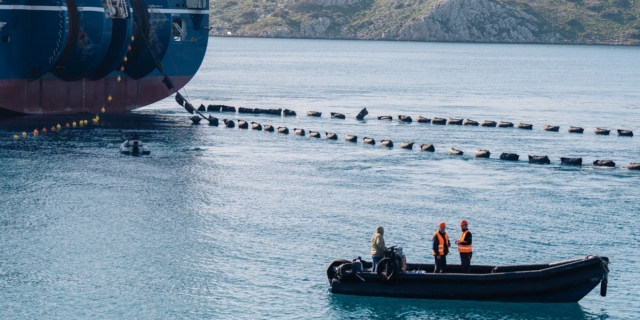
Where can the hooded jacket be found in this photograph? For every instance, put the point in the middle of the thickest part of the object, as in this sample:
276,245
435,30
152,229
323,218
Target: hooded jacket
377,243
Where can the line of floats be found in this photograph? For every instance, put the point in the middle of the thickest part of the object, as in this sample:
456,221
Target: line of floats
58,127
480,153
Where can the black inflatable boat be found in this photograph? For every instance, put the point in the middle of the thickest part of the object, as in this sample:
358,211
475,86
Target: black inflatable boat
564,281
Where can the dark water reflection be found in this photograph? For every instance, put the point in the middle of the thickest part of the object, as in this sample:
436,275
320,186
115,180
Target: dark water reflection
349,307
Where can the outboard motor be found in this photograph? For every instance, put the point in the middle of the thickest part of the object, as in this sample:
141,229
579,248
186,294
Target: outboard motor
395,254
136,147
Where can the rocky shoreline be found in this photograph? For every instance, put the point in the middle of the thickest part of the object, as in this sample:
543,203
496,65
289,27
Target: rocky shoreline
484,21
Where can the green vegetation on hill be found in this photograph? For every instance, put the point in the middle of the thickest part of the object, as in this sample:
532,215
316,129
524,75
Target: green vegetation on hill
527,21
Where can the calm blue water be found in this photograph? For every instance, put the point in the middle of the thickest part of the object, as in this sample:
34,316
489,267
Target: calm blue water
230,224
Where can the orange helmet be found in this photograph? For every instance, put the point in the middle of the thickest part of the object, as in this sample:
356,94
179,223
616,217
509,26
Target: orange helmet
442,224
463,223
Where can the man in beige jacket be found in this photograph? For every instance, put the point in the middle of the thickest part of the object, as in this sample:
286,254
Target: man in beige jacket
377,247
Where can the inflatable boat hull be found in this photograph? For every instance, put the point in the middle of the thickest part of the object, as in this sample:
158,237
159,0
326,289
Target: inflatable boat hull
567,281
129,147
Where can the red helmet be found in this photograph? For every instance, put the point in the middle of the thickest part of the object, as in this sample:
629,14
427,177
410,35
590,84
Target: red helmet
442,224
463,223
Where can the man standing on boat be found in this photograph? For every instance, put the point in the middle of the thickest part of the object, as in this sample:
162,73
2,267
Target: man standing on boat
440,247
377,247
464,247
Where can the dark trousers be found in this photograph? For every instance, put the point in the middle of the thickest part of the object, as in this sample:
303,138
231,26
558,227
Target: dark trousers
441,264
465,261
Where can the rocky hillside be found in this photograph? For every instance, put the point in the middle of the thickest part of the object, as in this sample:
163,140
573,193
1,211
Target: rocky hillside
510,21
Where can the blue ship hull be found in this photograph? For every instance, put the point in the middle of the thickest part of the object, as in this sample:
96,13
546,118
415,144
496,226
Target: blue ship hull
70,56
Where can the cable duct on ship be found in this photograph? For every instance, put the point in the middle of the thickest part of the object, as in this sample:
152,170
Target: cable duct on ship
89,40
121,32
122,29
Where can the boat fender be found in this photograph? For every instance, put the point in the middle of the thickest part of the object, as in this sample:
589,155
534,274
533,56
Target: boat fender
387,271
603,287
605,276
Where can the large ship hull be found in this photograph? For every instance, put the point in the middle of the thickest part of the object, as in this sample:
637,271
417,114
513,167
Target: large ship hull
114,62
52,96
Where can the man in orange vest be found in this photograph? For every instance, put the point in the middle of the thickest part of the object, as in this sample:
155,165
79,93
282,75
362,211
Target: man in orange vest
440,247
464,247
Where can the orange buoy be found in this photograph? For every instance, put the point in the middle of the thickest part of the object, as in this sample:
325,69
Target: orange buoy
53,129
44,130
122,69
67,125
129,47
35,132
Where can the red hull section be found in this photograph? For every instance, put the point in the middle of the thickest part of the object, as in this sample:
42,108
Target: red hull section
55,96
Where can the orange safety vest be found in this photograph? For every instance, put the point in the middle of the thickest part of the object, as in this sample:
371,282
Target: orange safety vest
464,248
441,243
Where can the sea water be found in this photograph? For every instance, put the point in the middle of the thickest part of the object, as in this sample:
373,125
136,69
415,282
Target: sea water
241,224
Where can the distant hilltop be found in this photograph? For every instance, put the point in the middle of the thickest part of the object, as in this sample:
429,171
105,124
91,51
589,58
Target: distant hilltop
497,21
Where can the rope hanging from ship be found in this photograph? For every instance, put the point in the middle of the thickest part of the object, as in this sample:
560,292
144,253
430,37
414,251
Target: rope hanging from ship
180,99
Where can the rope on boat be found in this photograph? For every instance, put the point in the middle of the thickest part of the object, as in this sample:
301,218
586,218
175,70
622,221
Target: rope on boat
604,265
